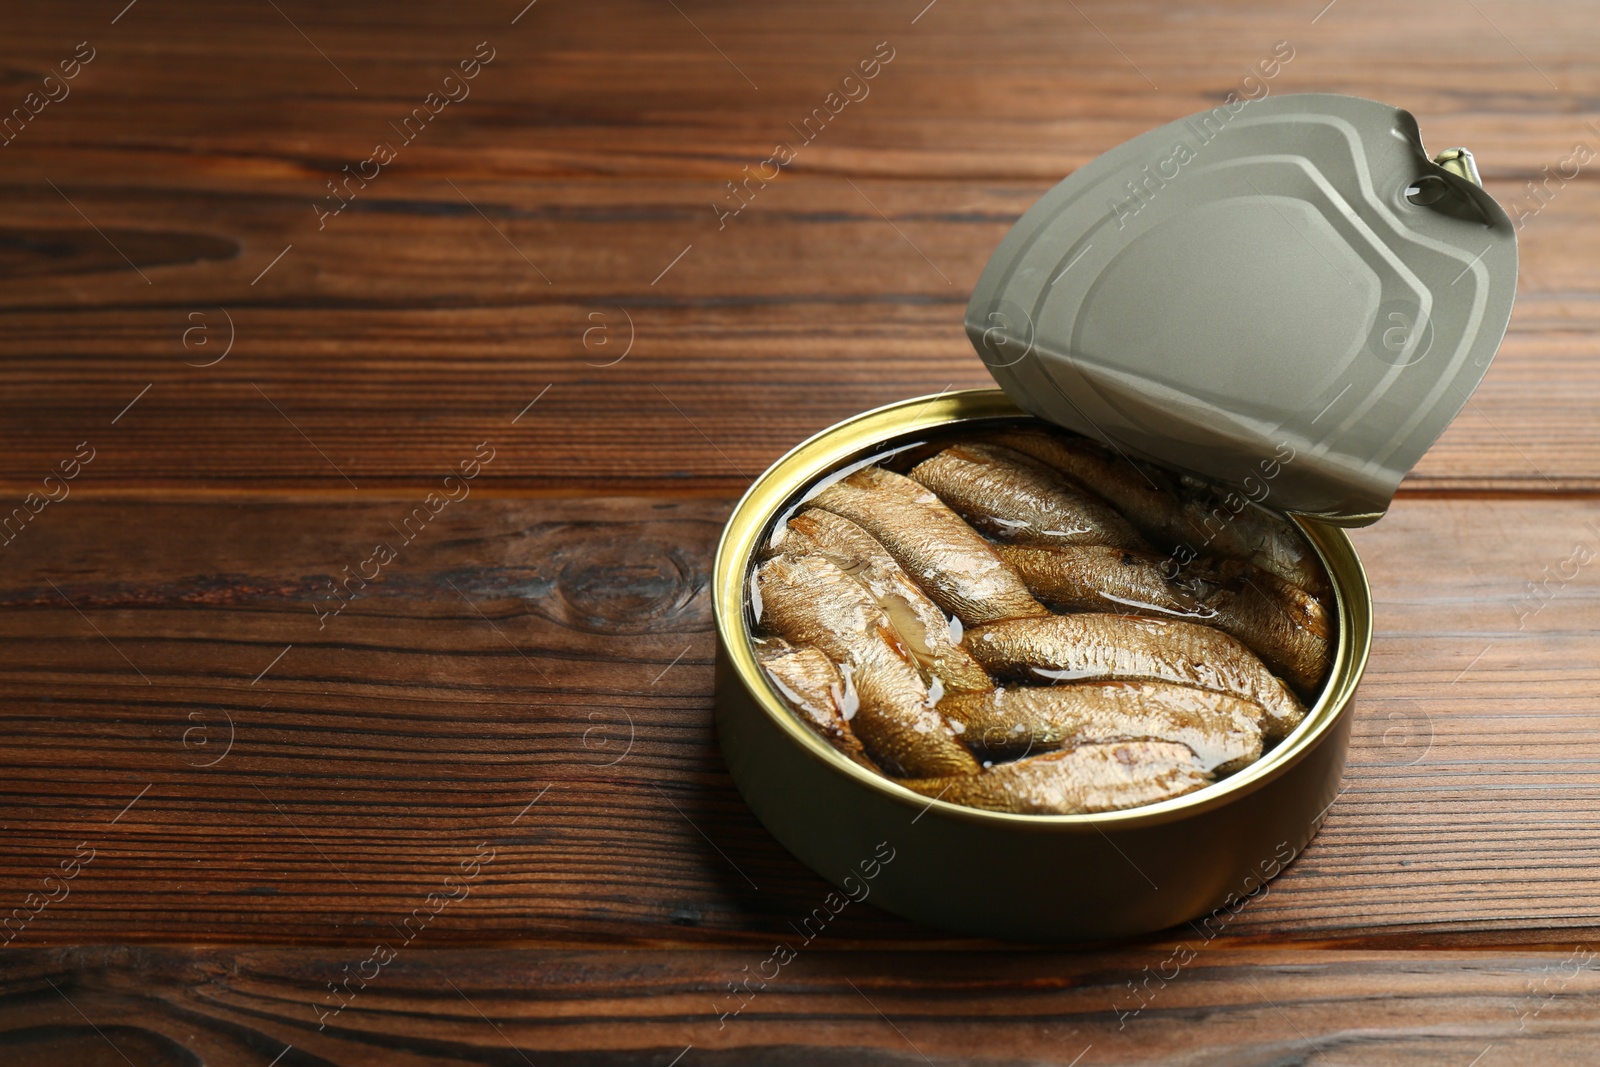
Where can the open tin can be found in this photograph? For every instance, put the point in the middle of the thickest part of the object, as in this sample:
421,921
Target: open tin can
1358,291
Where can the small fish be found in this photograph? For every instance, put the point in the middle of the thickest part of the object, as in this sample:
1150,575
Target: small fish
1224,732
1102,578
921,625
1219,522
1076,781
1147,495
1095,647
1288,627
809,600
948,559
1014,497
1277,620
813,686
1179,511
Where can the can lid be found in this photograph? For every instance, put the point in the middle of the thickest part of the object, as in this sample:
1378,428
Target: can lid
1284,294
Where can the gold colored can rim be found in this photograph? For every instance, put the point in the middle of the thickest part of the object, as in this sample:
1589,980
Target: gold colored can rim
863,434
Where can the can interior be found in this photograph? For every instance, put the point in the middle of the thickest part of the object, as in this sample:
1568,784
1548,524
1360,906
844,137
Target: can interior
905,433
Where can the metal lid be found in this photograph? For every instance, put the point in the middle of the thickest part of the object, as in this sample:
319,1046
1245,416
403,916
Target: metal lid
1284,293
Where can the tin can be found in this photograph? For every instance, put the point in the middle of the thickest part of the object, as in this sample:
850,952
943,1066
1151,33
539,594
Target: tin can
993,874
1294,273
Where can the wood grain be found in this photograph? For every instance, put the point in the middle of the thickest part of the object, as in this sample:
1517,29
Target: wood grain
1216,1005
560,649
716,394
267,793
543,209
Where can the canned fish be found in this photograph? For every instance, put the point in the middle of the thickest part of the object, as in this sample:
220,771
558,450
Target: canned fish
1007,873
1224,332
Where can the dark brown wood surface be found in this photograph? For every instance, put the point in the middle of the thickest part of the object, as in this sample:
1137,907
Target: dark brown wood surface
254,791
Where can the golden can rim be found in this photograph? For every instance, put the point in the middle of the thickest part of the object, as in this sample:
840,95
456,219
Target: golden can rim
847,440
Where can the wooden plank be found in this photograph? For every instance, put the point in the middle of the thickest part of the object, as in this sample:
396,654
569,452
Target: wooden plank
529,679
1034,93
523,644
408,321
1176,1002
386,398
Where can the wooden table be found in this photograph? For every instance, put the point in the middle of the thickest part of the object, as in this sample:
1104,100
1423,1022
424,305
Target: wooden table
250,752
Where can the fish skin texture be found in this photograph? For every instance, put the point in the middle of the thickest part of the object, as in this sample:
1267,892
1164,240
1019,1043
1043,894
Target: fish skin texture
1288,627
1102,578
1099,647
1014,497
949,560
1174,511
809,600
1076,781
1222,523
921,624
1223,731
1146,495
811,684
1277,620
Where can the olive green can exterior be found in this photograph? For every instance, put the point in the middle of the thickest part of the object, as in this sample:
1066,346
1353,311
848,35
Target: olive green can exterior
1020,877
